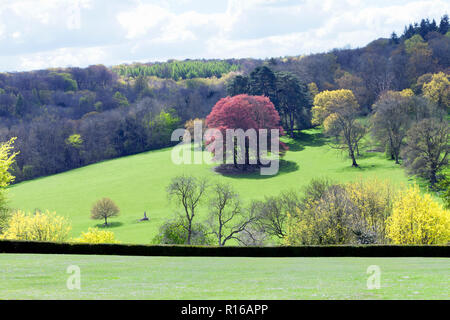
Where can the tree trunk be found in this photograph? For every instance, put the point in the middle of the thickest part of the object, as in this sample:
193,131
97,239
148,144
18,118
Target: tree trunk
352,155
258,157
235,153
292,125
189,233
247,154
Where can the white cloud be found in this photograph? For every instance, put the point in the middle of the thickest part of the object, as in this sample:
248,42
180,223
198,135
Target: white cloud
43,33
63,57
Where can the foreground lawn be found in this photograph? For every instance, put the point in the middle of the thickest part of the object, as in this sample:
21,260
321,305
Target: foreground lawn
114,277
138,183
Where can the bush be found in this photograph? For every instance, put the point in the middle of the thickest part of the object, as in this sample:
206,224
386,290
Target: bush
328,213
94,236
323,217
418,219
372,202
37,227
175,232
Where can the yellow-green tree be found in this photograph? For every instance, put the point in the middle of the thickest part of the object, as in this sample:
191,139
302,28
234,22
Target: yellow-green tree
438,90
6,160
94,235
338,111
418,219
372,202
420,57
39,226
313,90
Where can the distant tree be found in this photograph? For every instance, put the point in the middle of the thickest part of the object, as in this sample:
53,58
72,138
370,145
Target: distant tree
244,112
238,85
263,82
338,111
438,90
141,87
355,83
20,107
188,192
294,101
391,120
313,90
444,25
227,217
420,57
190,126
121,100
394,38
103,209
161,127
427,148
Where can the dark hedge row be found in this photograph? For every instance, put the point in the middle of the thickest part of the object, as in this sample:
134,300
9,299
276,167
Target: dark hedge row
304,251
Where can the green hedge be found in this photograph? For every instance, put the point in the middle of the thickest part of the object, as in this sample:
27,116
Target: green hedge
144,250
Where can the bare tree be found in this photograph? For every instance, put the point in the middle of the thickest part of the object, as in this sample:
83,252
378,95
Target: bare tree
391,121
227,218
188,192
273,213
427,148
347,132
103,209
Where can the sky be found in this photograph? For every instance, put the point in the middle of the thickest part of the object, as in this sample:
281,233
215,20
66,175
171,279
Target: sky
39,34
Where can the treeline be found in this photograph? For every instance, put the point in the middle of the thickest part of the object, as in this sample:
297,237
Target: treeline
424,27
177,70
65,119
106,113
382,65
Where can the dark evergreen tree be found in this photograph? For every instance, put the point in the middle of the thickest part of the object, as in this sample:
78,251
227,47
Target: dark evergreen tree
444,26
263,83
294,101
394,38
238,85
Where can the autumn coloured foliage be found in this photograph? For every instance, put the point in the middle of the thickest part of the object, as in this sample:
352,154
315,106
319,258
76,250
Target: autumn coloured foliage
244,112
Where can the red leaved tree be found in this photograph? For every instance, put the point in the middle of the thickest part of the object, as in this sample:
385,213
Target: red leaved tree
244,112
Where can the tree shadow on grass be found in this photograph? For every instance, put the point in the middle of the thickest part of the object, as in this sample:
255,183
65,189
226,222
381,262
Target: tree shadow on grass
109,226
311,138
254,171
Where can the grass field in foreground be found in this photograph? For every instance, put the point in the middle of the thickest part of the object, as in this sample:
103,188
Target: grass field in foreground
114,277
138,183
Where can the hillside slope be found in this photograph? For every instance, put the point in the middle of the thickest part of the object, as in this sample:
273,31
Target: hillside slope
137,184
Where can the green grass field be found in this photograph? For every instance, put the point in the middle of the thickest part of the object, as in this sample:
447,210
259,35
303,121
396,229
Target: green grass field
137,184
114,277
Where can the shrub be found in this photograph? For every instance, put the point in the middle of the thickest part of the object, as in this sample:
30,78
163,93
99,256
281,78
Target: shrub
175,232
94,236
372,202
418,219
323,218
37,227
340,214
